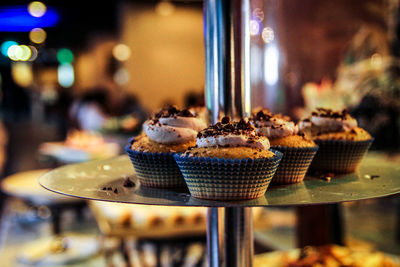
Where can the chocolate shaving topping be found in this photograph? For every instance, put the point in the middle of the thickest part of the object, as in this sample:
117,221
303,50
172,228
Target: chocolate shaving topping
266,115
172,111
226,127
329,113
262,116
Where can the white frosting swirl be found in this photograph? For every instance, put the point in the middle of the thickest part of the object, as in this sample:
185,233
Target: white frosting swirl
173,130
304,124
328,124
233,141
334,124
275,127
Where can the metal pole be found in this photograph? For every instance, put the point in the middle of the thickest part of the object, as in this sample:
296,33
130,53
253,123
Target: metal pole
215,16
227,50
238,237
213,241
228,93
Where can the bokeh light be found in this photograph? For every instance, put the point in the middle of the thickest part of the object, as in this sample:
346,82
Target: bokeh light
121,76
258,14
64,55
37,35
65,75
254,27
165,8
268,35
19,52
34,53
5,46
25,53
14,52
37,9
22,74
121,52
271,64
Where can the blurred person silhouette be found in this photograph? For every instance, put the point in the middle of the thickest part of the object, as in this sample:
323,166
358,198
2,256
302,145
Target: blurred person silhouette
90,111
128,104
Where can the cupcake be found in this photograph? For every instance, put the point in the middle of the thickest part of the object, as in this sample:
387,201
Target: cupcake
298,150
229,162
170,131
342,144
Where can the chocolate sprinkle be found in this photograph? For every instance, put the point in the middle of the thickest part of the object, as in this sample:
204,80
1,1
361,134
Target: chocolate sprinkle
327,176
225,120
128,183
370,176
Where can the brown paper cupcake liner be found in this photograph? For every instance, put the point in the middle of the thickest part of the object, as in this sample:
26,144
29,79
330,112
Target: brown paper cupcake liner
294,164
339,156
227,179
157,170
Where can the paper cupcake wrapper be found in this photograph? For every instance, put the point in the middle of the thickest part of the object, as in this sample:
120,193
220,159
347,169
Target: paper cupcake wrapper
339,156
156,169
294,164
227,179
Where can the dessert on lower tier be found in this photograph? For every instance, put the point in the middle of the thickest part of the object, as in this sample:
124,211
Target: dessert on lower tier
327,255
168,132
342,144
298,150
230,162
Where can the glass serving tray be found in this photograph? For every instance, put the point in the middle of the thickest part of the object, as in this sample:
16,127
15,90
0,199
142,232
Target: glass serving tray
103,180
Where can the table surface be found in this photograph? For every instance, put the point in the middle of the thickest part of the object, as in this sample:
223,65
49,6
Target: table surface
25,185
377,177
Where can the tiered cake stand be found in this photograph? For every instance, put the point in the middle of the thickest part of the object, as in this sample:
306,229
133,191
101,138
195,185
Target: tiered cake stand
229,241
228,92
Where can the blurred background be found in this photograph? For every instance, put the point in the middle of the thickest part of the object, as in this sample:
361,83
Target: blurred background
77,79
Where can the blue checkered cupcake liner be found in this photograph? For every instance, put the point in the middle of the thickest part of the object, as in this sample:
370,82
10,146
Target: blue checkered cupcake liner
227,179
294,164
339,156
157,170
